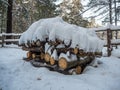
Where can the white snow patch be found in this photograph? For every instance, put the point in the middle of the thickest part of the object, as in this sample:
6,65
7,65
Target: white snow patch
56,28
16,74
55,55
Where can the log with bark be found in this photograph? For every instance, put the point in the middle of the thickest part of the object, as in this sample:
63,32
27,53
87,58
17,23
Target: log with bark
64,64
29,55
50,67
53,61
84,54
34,56
47,57
78,70
55,43
65,50
40,43
42,55
34,49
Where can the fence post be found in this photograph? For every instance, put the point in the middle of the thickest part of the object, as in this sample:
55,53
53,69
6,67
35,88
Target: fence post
116,32
109,49
3,38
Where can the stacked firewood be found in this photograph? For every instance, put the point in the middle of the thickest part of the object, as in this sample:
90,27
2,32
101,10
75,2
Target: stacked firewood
60,46
58,56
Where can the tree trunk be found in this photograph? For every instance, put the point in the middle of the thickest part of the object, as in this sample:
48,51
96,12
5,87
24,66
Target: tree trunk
9,17
110,11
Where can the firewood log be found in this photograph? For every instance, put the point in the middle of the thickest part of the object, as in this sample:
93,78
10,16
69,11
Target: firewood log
52,60
38,43
55,43
42,55
47,57
59,41
64,64
76,50
98,54
83,54
33,44
64,50
33,49
78,70
34,56
29,54
28,44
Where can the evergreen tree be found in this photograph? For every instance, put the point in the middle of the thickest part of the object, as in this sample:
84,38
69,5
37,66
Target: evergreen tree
70,11
45,8
28,11
9,17
3,12
105,9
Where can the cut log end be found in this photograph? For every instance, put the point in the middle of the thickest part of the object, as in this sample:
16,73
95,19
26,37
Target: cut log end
33,43
42,55
52,61
75,50
62,63
78,70
47,57
29,54
38,43
33,56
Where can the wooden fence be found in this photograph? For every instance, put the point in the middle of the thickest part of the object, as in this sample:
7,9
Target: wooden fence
111,38
4,38
106,34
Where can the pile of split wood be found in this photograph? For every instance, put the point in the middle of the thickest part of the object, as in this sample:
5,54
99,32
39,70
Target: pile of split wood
57,55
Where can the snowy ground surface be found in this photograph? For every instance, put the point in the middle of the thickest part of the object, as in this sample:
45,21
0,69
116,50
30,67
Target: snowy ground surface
16,74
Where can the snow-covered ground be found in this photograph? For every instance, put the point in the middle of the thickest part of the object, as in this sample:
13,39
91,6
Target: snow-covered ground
16,74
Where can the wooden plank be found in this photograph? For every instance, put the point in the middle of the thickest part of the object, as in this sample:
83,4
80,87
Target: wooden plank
106,30
11,40
3,37
12,34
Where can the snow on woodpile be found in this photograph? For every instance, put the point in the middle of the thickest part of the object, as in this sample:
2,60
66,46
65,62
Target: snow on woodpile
56,28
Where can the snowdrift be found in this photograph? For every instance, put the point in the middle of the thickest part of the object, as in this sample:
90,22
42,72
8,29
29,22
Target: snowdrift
56,28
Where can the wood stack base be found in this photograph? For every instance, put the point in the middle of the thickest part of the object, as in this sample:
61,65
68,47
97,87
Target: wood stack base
38,57
72,69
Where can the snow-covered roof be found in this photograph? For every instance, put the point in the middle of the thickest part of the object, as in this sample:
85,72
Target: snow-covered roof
53,28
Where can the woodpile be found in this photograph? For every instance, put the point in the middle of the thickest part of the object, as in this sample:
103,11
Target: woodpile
60,46
38,53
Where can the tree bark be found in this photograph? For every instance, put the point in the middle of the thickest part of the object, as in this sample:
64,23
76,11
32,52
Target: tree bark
9,17
110,11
